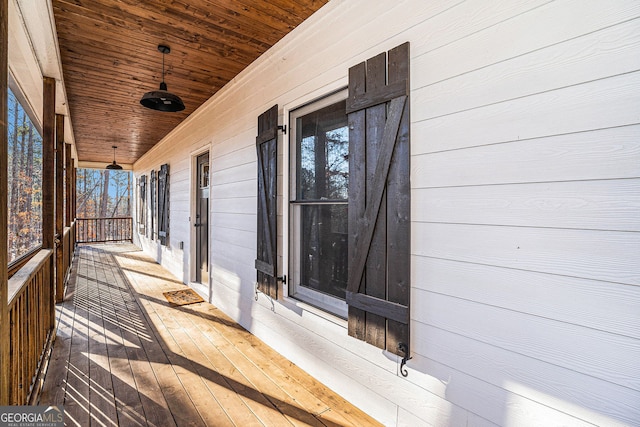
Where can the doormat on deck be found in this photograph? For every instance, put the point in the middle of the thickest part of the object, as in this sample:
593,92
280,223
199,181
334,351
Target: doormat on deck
183,297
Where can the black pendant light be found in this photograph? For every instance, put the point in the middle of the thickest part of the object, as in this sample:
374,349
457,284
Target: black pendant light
114,165
161,100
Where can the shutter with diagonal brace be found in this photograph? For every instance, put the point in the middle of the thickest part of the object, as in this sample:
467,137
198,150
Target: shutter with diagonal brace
143,204
163,204
152,203
267,147
379,200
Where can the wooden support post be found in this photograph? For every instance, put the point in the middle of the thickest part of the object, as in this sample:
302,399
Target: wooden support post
48,161
4,291
74,192
59,208
72,199
68,167
48,179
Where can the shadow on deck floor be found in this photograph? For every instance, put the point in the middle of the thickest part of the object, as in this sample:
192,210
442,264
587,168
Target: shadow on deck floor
124,356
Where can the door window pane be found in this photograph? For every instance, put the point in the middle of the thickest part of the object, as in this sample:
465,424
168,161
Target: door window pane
204,175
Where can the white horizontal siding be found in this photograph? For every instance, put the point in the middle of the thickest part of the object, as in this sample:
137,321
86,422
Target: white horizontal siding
235,238
595,205
525,177
495,402
600,255
612,154
578,60
234,190
235,221
233,174
241,156
235,205
605,103
554,386
557,343
532,29
581,302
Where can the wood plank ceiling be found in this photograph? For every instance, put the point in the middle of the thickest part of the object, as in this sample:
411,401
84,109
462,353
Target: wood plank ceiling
110,58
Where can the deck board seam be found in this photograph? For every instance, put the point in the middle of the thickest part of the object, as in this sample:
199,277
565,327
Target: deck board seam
167,353
155,313
166,365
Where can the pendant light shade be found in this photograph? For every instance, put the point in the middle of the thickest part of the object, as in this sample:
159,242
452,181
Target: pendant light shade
162,100
114,165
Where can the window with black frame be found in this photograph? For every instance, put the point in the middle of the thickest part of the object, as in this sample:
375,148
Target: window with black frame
319,203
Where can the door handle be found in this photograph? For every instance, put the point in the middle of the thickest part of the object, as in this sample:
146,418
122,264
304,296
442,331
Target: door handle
197,225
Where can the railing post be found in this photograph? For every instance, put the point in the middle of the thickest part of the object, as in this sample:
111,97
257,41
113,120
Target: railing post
73,191
59,207
4,290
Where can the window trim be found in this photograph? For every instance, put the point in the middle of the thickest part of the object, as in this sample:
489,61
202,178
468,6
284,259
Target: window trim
324,303
18,263
18,93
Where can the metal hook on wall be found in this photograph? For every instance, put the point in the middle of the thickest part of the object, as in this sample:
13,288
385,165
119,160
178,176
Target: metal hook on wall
273,306
404,348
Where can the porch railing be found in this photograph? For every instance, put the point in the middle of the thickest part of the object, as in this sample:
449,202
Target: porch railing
93,230
31,319
68,247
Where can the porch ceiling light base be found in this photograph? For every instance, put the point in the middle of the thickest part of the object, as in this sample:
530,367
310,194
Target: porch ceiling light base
114,165
162,100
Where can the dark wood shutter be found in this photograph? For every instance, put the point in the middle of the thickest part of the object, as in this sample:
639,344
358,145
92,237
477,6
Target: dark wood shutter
163,204
143,204
379,200
154,191
267,150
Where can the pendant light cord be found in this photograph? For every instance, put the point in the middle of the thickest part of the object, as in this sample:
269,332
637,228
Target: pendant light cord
163,66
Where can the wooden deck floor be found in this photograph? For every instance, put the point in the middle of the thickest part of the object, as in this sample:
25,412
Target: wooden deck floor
125,357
